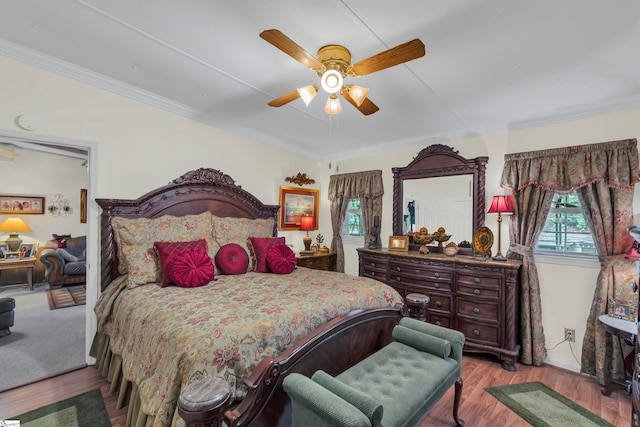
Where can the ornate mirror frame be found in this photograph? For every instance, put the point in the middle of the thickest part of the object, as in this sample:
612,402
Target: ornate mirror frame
437,161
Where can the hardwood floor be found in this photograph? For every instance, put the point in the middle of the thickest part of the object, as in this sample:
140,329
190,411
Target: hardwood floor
478,408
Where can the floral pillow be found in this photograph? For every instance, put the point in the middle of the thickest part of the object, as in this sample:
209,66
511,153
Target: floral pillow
238,230
167,228
143,265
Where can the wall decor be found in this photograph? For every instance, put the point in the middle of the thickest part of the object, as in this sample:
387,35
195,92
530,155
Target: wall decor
83,205
59,206
300,179
296,203
21,204
399,243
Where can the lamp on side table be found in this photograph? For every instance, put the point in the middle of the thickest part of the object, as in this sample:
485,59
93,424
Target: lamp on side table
307,223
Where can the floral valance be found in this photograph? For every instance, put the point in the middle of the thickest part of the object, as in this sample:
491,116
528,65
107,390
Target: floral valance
569,168
352,185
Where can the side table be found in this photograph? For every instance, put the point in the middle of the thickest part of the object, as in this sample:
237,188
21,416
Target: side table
319,261
626,330
28,263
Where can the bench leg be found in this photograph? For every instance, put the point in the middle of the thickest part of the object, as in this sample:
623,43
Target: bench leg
456,403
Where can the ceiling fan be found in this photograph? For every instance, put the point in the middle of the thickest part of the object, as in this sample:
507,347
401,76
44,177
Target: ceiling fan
333,65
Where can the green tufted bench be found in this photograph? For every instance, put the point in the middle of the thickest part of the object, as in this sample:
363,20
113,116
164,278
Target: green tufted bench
394,387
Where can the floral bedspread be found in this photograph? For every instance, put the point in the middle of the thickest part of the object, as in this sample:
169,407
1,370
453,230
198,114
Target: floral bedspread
171,336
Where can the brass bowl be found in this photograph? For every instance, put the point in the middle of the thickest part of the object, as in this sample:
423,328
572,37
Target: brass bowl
422,239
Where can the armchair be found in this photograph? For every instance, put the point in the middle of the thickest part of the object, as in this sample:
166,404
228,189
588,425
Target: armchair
65,266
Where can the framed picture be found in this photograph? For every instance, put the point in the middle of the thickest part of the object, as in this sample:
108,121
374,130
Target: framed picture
26,250
21,204
83,205
398,243
621,310
4,248
12,255
295,203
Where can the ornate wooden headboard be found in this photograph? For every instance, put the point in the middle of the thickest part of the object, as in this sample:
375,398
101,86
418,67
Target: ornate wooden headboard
193,193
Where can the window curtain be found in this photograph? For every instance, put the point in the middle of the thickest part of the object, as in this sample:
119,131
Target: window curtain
368,187
603,175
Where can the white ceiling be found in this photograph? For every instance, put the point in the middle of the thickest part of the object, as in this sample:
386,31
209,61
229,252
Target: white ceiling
491,65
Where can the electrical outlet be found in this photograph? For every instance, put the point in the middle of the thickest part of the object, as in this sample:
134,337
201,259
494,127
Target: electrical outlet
569,335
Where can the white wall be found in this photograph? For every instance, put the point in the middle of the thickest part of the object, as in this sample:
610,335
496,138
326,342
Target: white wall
46,175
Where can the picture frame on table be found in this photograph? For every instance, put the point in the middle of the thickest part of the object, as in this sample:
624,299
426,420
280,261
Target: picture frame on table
399,243
295,203
621,310
11,255
4,248
26,250
23,205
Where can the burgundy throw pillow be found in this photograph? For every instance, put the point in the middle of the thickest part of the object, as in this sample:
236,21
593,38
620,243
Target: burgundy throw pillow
232,259
281,259
191,268
258,248
167,251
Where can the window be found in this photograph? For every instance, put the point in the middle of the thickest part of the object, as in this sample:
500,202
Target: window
353,224
566,230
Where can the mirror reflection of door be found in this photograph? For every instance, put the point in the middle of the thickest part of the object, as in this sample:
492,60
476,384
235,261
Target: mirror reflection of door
441,202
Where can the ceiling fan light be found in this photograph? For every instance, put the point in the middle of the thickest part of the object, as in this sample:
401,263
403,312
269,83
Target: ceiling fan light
331,81
358,94
333,105
307,93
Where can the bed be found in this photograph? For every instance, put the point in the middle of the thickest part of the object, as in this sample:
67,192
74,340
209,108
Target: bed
250,329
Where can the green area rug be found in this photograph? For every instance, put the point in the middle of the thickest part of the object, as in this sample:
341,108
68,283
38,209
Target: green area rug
541,406
84,410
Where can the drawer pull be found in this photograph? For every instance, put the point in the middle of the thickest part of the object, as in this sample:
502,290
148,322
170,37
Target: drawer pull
373,264
373,273
476,332
437,274
398,279
439,303
438,323
476,310
476,291
436,285
476,280
398,269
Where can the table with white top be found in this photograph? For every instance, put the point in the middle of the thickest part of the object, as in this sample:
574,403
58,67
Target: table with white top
626,330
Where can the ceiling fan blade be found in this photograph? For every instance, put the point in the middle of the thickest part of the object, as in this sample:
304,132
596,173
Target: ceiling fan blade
291,48
367,107
285,99
402,53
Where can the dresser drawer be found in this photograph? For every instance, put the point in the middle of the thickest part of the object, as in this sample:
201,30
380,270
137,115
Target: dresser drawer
420,275
438,319
484,310
480,333
376,268
441,303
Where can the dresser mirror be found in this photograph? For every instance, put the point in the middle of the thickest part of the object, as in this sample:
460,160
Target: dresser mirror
440,188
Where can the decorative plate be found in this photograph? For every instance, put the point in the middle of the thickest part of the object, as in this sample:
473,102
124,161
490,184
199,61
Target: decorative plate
483,241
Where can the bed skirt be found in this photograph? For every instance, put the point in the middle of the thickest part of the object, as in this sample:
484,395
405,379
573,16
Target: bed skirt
110,365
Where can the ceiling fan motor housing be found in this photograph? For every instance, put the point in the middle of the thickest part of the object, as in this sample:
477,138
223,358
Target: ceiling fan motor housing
334,57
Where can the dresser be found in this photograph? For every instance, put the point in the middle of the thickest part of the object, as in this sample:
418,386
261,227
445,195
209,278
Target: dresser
476,296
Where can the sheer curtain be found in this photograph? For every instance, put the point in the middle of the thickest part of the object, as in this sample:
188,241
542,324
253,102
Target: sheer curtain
603,175
368,187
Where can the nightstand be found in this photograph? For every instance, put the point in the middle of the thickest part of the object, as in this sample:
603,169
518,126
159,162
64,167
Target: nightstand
326,261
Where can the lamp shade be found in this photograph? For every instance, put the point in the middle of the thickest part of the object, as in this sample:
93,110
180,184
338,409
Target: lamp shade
307,223
500,204
633,254
14,225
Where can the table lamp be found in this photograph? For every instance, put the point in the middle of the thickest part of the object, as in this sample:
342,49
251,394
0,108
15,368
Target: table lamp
307,223
13,225
500,205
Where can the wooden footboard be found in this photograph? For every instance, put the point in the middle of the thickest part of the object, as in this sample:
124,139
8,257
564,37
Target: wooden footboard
334,347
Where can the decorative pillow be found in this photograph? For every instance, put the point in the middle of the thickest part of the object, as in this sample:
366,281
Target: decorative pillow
191,268
238,230
281,259
66,255
232,259
258,248
167,252
143,266
167,228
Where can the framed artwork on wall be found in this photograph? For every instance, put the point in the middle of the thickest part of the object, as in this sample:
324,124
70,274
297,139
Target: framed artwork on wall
296,203
83,205
21,204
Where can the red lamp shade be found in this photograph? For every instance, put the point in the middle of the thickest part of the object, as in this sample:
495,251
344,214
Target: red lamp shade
500,204
634,253
306,223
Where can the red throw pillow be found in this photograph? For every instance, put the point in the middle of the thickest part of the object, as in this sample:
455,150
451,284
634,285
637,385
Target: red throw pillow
167,251
192,268
281,259
232,259
258,248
